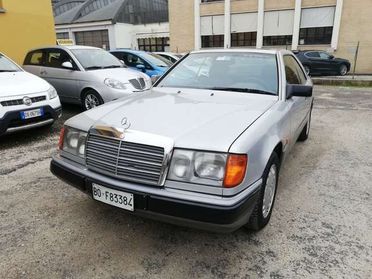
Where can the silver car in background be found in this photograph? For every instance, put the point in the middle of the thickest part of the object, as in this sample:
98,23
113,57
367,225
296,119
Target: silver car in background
170,56
203,148
85,75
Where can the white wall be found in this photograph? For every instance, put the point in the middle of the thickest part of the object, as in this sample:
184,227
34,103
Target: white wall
126,35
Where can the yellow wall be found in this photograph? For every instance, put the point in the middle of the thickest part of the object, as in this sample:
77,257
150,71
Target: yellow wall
25,24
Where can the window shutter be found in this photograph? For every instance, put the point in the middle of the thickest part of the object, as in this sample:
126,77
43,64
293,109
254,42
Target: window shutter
278,23
246,22
317,17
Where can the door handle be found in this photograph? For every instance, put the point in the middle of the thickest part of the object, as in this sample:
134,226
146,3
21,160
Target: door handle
43,72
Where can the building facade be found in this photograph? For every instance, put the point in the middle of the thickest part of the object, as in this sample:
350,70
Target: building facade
112,24
25,25
337,26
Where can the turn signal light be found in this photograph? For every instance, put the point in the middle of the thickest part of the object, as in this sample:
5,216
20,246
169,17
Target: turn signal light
61,137
235,170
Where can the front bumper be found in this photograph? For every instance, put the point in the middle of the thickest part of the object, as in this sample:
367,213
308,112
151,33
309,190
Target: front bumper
183,208
12,122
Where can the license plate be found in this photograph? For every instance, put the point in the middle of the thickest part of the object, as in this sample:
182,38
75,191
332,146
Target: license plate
113,197
32,113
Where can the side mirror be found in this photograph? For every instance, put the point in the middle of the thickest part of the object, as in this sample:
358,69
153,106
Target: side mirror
155,78
122,62
331,57
67,65
141,67
298,90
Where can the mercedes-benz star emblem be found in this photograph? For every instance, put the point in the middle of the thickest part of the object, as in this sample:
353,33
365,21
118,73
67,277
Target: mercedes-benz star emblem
27,101
125,123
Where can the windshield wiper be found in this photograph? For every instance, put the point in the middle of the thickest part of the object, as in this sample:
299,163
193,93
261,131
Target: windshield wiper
112,66
93,68
6,71
243,90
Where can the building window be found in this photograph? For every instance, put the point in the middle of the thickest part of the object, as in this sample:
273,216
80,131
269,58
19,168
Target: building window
98,38
316,35
212,41
63,36
153,44
243,39
277,40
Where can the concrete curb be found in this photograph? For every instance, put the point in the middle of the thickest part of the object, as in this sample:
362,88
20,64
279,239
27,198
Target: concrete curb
342,82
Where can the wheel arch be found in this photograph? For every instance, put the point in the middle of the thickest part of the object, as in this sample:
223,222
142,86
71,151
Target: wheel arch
86,89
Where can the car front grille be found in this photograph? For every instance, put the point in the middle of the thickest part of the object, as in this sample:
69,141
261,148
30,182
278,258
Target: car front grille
18,102
125,160
138,83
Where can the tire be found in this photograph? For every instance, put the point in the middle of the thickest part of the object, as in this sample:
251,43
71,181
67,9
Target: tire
343,70
307,69
306,130
91,99
261,214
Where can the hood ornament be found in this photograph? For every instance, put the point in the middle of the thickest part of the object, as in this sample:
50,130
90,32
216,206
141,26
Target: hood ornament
125,123
114,132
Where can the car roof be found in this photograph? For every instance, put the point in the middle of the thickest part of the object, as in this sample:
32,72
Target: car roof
247,50
128,50
65,47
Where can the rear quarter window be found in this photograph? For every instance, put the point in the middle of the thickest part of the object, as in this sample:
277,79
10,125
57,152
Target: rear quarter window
34,58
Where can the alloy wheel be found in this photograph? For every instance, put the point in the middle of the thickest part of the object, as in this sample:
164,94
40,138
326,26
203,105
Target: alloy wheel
269,193
91,101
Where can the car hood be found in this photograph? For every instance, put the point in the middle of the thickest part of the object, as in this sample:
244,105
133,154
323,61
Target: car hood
20,84
197,119
120,74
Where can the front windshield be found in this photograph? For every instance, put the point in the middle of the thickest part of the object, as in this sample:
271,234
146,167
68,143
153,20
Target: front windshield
7,66
155,59
94,59
247,72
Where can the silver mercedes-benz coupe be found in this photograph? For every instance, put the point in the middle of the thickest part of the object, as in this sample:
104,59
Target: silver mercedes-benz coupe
203,148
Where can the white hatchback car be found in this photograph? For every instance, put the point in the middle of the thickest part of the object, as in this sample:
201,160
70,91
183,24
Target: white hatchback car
26,101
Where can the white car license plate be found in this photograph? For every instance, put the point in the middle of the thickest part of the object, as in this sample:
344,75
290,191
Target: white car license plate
32,113
113,197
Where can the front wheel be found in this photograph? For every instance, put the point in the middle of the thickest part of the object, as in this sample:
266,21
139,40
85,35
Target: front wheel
343,70
265,203
306,130
91,99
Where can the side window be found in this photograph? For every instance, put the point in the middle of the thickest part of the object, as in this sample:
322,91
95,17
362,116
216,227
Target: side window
56,57
35,58
313,54
293,71
132,60
324,55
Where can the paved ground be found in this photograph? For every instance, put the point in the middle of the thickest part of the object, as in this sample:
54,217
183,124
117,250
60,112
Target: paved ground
321,225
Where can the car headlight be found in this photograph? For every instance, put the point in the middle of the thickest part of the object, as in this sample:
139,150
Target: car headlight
113,83
73,141
52,93
208,168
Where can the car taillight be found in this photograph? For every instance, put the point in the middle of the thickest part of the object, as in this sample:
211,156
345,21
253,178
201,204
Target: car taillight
235,170
61,137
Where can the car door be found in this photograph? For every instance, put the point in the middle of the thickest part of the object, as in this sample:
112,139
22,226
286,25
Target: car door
133,61
300,106
64,80
316,64
330,64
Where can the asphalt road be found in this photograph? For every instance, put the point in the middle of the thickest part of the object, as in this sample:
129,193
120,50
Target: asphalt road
321,226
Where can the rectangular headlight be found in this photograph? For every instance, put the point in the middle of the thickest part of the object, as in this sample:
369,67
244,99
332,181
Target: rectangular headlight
74,141
198,167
